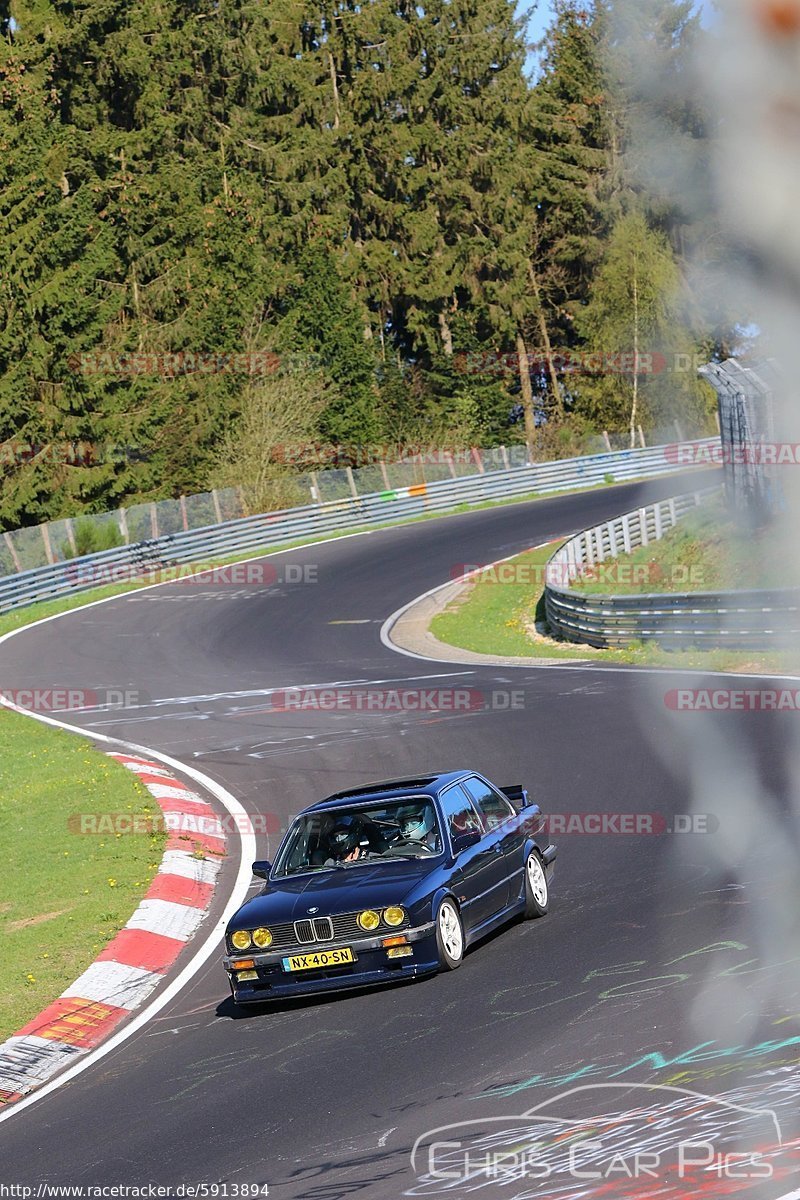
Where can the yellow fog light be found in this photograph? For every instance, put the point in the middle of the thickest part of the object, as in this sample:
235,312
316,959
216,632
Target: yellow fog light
243,976
240,939
262,938
398,952
369,920
394,915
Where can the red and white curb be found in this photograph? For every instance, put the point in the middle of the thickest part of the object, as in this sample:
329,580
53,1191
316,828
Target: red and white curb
136,961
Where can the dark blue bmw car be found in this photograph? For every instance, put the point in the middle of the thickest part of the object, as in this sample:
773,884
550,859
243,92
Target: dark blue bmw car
389,881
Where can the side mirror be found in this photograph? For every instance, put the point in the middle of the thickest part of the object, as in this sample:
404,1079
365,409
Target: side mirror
262,868
464,840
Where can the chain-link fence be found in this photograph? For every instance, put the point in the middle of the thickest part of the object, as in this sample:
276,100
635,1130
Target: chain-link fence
58,541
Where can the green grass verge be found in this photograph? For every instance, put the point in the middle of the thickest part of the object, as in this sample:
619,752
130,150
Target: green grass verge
707,551
498,614
63,894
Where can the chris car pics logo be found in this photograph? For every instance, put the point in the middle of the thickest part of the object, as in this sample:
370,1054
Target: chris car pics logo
668,1137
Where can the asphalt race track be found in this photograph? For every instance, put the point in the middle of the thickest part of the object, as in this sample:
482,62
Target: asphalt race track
664,959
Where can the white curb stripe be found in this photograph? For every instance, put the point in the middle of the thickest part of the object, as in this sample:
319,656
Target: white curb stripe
181,862
30,1060
162,791
167,918
114,983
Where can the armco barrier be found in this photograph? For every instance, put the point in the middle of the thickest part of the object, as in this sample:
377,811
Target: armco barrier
274,528
741,620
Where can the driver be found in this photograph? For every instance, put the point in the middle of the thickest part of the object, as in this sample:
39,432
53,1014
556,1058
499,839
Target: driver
418,824
353,837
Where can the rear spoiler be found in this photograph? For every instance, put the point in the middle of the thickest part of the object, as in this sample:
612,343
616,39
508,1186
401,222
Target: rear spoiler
518,795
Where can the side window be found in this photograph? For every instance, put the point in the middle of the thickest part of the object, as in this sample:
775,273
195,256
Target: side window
459,812
494,807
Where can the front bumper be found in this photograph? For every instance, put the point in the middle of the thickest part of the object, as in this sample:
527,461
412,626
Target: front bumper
372,966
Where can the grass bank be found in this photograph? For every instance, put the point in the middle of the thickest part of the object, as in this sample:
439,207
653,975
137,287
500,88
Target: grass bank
502,613
63,894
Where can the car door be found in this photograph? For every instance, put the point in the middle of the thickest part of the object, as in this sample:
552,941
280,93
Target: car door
501,820
480,886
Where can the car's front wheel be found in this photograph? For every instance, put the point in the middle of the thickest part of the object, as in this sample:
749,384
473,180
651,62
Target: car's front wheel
449,935
536,891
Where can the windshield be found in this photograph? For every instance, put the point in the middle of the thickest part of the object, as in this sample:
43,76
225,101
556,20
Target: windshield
319,841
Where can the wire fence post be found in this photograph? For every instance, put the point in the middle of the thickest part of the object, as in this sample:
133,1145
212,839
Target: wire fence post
12,550
48,549
73,545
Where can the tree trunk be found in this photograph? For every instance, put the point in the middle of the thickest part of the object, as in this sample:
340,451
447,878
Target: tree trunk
332,67
527,395
558,395
447,335
635,402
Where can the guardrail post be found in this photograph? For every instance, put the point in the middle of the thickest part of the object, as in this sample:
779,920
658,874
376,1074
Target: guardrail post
123,527
607,440
351,481
643,526
612,538
572,563
12,550
504,454
153,519
642,442
476,454
184,514
673,516
626,532
659,524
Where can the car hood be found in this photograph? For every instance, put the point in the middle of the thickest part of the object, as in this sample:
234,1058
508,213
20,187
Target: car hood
348,889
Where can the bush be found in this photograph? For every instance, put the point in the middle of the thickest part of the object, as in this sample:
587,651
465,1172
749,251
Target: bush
93,536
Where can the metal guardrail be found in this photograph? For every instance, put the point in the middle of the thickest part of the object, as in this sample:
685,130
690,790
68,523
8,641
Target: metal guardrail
742,620
202,546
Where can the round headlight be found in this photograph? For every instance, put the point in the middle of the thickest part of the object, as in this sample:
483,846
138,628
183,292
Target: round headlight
240,939
262,938
369,920
394,915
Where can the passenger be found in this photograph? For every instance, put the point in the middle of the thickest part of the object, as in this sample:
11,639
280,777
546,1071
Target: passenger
418,824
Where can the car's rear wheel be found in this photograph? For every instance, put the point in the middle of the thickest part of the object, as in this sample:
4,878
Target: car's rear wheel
537,894
449,935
